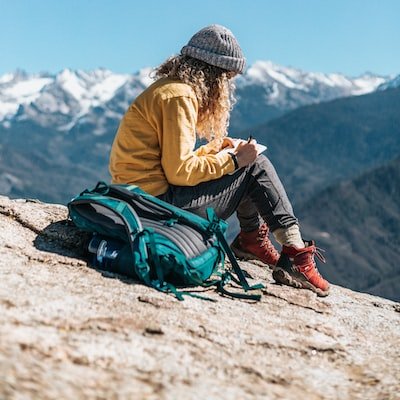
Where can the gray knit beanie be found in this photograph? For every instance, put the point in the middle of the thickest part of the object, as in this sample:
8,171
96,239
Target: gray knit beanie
217,46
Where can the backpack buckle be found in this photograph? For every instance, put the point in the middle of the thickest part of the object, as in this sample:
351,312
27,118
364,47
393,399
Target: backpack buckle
214,225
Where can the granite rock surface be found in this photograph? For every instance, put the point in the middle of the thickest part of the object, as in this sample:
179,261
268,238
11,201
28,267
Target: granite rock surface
70,331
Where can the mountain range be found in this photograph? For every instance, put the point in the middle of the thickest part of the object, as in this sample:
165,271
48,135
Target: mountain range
81,99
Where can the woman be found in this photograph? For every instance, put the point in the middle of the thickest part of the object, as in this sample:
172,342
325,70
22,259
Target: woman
155,149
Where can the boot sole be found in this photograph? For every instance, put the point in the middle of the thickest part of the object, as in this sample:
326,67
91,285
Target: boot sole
241,255
282,276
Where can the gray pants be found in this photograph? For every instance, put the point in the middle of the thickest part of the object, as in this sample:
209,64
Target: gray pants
253,192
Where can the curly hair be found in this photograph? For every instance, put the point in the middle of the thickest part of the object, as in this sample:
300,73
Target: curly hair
214,90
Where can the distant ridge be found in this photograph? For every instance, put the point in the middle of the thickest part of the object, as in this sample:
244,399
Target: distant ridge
358,223
316,145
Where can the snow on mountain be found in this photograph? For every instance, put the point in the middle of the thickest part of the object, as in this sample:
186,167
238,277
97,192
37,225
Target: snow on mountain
71,98
390,84
268,73
17,89
93,88
62,100
367,83
6,78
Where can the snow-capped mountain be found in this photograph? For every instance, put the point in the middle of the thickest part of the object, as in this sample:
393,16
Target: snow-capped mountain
268,90
62,100
268,74
390,84
73,99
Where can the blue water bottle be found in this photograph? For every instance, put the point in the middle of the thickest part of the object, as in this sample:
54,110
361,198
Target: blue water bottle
104,251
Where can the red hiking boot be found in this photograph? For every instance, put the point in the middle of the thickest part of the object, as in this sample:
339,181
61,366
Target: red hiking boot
255,245
297,268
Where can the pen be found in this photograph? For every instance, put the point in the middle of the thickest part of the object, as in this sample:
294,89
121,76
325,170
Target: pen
250,139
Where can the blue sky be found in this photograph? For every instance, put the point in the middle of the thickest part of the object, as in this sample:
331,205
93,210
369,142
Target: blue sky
347,36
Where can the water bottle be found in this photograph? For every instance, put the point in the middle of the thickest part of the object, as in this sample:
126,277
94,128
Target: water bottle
104,251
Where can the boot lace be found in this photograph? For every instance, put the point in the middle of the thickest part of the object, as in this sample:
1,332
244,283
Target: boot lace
263,237
310,262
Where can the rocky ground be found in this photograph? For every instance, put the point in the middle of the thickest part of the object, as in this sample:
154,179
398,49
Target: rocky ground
68,331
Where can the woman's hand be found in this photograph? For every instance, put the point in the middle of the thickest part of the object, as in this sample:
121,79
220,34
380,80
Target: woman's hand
246,153
227,143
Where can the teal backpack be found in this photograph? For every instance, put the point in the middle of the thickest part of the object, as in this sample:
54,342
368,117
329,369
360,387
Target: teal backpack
140,236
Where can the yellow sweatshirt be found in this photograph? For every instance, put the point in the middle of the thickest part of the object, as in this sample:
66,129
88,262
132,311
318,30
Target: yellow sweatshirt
155,142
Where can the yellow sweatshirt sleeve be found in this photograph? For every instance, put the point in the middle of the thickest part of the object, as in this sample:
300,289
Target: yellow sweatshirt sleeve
181,164
209,148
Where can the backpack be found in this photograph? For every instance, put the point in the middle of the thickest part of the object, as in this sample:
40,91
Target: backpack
138,235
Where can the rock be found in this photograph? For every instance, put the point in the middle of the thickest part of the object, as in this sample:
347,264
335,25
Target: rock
68,331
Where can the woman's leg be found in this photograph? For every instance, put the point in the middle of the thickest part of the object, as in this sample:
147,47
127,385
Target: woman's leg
257,183
248,216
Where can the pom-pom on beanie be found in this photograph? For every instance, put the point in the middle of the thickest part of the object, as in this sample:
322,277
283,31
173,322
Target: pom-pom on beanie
217,46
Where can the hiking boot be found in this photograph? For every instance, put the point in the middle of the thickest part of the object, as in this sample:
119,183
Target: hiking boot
297,268
255,245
